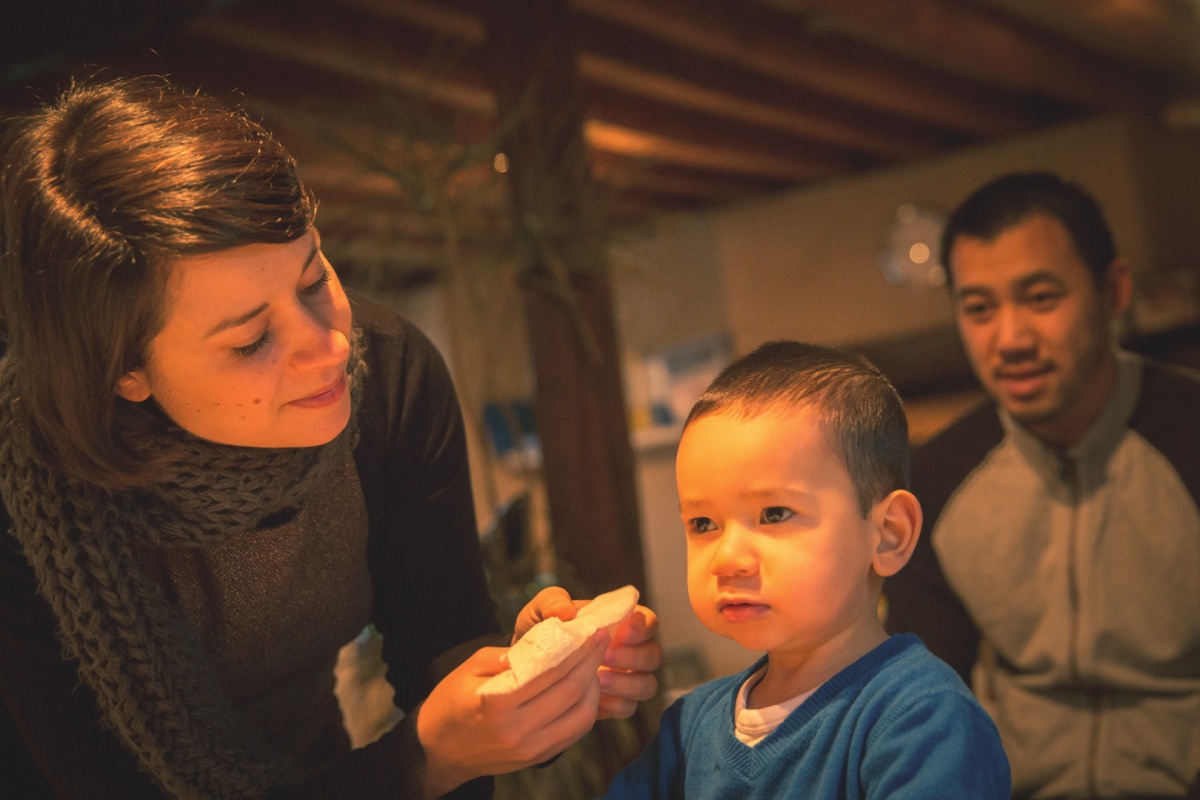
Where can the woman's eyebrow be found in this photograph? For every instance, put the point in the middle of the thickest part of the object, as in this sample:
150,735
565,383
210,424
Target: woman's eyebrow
236,321
225,325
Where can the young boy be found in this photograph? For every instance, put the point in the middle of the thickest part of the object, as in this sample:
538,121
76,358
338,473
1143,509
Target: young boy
791,474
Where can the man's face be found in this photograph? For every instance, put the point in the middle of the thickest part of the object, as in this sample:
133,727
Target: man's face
1036,326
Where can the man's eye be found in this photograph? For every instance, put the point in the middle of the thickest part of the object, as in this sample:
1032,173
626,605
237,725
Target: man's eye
977,311
1044,301
701,525
774,514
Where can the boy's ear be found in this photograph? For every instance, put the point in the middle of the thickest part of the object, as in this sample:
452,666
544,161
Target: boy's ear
134,387
898,520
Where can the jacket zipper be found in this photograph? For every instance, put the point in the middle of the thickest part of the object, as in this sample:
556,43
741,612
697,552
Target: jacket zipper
1070,473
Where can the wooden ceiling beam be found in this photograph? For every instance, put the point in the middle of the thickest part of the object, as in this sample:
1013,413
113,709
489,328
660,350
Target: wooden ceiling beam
628,60
622,177
1160,35
367,61
728,133
781,46
311,45
980,44
635,63
886,140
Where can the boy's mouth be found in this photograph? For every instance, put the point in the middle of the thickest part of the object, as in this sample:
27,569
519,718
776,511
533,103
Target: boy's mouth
740,611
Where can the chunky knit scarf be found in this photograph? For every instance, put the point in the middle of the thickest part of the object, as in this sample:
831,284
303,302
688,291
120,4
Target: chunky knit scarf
154,686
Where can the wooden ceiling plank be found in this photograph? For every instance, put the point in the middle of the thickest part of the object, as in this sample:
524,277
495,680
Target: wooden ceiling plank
356,65
611,138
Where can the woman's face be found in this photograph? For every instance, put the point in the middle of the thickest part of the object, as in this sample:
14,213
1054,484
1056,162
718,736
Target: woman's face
254,349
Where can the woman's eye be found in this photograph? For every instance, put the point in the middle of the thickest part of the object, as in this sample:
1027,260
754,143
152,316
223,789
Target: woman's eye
701,525
258,344
319,284
774,514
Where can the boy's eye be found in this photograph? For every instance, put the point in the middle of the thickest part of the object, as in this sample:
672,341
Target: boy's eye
701,525
774,514
258,344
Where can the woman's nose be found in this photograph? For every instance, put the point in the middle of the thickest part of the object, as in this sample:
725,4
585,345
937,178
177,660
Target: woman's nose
319,342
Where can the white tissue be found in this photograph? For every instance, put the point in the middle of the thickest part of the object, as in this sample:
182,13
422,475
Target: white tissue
549,642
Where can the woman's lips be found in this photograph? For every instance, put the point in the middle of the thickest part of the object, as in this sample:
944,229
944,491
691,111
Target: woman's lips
325,397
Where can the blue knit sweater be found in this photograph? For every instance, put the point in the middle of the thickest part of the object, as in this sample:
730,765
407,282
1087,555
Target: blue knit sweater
897,724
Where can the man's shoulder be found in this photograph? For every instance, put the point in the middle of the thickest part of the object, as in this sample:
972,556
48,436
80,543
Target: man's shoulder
1169,393
942,462
1167,416
981,421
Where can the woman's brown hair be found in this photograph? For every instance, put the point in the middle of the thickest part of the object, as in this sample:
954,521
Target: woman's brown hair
100,190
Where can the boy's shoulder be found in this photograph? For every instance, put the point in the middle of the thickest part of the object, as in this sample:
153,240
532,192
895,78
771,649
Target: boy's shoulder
906,667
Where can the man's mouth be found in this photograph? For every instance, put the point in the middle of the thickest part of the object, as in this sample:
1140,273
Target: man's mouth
1024,381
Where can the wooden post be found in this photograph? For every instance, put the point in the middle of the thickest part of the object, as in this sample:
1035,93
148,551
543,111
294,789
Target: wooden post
579,401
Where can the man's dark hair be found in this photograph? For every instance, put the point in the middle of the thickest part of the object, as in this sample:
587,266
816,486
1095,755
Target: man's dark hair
1011,199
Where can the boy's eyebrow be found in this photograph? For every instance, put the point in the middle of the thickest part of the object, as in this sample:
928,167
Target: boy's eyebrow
242,319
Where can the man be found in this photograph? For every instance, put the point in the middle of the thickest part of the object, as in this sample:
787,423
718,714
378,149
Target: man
1060,571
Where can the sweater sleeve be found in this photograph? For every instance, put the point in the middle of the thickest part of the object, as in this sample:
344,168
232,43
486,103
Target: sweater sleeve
50,734
656,774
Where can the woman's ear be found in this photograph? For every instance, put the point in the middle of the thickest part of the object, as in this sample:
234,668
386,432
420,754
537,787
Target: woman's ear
898,519
134,387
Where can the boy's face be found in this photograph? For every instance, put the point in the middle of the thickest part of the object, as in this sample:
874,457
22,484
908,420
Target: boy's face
779,557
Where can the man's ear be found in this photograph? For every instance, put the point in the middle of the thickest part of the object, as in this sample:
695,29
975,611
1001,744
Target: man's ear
898,520
134,387
1118,288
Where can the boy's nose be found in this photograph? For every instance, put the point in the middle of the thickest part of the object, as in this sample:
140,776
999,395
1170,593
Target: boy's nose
734,556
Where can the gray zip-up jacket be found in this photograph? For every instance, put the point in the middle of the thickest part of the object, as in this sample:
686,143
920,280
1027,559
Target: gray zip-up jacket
1065,587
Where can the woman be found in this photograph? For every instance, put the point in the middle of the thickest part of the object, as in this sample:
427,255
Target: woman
217,469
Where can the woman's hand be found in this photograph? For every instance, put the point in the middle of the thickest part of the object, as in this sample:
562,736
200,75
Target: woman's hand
627,673
466,734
